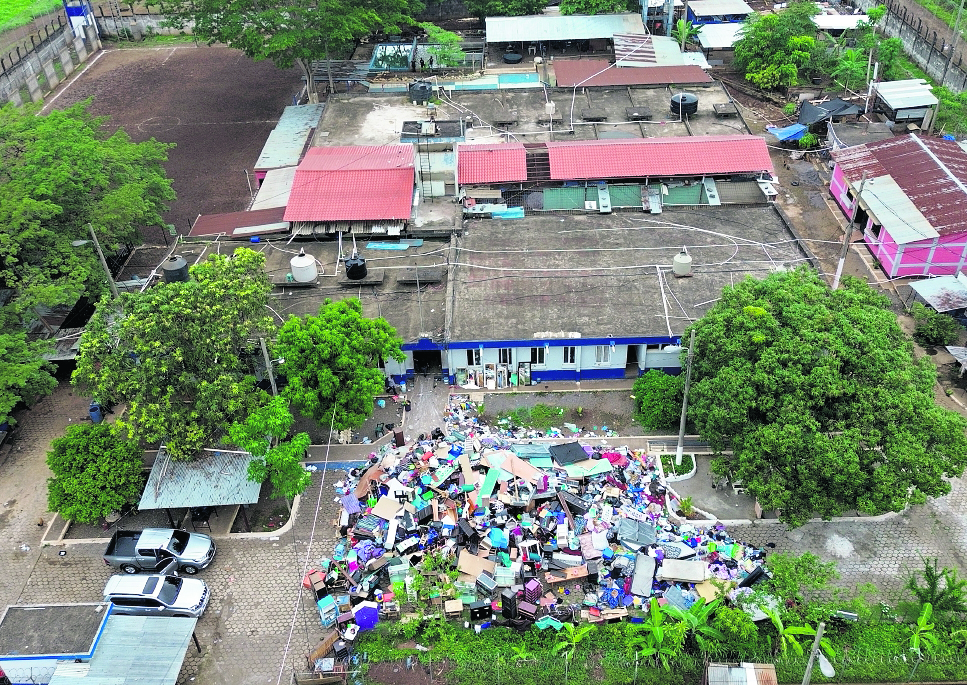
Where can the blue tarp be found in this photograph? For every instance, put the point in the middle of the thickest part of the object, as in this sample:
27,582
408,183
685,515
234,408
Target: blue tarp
509,213
793,132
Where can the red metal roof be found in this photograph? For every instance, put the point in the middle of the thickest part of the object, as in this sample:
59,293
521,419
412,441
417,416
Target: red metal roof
931,172
595,72
657,157
493,163
355,183
260,221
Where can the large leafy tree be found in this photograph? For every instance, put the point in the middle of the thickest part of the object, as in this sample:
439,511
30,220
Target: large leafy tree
290,32
60,172
773,48
24,373
481,9
593,6
330,362
96,472
180,354
819,398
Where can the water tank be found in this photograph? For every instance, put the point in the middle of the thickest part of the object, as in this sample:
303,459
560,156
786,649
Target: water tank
420,92
356,268
175,269
682,264
303,268
549,108
684,104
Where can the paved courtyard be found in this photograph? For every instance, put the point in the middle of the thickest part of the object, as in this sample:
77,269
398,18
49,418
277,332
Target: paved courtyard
260,624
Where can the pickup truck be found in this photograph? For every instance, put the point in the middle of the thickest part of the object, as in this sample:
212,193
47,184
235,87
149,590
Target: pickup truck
154,549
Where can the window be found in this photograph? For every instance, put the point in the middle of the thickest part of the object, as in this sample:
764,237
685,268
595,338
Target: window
653,347
537,356
473,357
505,356
602,354
875,230
148,553
570,354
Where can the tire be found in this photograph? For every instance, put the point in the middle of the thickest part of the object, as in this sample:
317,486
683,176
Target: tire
189,570
129,569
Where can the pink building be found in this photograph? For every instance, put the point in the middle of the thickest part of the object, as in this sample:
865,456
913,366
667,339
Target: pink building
913,204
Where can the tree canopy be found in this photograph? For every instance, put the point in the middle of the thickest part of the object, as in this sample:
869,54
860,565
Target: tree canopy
60,172
290,32
481,9
593,6
818,396
330,362
96,472
773,48
180,354
24,373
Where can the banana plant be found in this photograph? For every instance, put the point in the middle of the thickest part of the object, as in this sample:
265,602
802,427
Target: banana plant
788,636
697,621
569,642
922,635
659,640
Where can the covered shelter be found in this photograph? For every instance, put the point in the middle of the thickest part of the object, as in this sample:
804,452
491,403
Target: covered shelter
837,23
719,37
557,27
718,11
133,650
909,102
216,478
595,72
837,108
943,293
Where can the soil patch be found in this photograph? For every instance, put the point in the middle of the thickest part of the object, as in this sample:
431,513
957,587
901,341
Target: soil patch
264,516
589,411
397,673
389,414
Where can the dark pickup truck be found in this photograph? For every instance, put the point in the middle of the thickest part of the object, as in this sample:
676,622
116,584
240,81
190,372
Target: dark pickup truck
154,548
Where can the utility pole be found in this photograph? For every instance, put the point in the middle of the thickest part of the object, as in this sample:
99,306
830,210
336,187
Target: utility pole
813,653
107,269
953,44
849,234
268,366
688,383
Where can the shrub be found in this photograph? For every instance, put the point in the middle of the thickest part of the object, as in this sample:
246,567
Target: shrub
658,400
932,327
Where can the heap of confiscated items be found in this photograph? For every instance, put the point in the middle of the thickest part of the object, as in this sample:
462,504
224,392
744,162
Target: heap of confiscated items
472,525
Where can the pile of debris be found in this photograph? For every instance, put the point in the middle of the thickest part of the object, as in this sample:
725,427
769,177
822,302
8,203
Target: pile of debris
475,525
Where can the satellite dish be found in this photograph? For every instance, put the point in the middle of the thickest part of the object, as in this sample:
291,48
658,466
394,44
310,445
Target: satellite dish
825,666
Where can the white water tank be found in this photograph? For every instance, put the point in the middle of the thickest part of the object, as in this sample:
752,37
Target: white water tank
682,264
303,268
549,108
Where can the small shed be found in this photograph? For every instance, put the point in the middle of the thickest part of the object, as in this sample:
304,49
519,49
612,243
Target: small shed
945,294
216,478
905,102
718,11
837,23
719,36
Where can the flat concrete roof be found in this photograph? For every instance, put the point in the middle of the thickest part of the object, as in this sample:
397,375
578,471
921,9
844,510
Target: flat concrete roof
378,119
51,629
599,274
553,26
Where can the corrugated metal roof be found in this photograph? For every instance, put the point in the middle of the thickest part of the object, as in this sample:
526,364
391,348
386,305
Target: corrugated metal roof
353,183
709,8
285,144
240,223
930,172
211,479
719,36
893,209
640,50
556,27
595,72
906,94
943,293
275,189
133,650
658,157
492,163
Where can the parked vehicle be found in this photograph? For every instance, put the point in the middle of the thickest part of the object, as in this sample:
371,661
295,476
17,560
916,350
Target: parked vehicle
157,595
154,549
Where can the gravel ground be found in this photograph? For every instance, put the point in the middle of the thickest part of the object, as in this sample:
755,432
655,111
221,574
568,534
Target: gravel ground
613,409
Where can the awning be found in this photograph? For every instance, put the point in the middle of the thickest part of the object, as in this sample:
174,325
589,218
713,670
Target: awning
812,114
212,479
792,132
943,293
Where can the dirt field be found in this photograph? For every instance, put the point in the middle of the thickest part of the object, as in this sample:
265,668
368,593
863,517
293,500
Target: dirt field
217,105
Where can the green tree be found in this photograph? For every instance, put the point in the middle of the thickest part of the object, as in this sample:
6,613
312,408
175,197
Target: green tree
593,6
697,620
850,68
941,589
659,640
278,458
96,472
658,400
787,637
932,327
179,353
445,45
738,630
923,637
25,376
827,408
793,576
290,32
773,48
330,362
481,9
60,172
685,32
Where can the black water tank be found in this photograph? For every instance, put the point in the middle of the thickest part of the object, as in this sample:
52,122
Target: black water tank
356,268
175,269
684,104
420,92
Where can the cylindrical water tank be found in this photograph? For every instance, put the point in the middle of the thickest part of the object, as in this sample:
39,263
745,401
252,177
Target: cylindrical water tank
420,92
303,268
684,104
356,268
549,108
175,269
682,264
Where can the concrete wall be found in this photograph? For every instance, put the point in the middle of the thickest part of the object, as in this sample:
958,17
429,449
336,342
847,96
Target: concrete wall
128,25
929,51
31,71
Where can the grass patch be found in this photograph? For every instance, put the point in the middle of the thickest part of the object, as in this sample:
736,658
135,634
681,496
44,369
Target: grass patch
668,464
952,113
16,13
945,10
539,417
